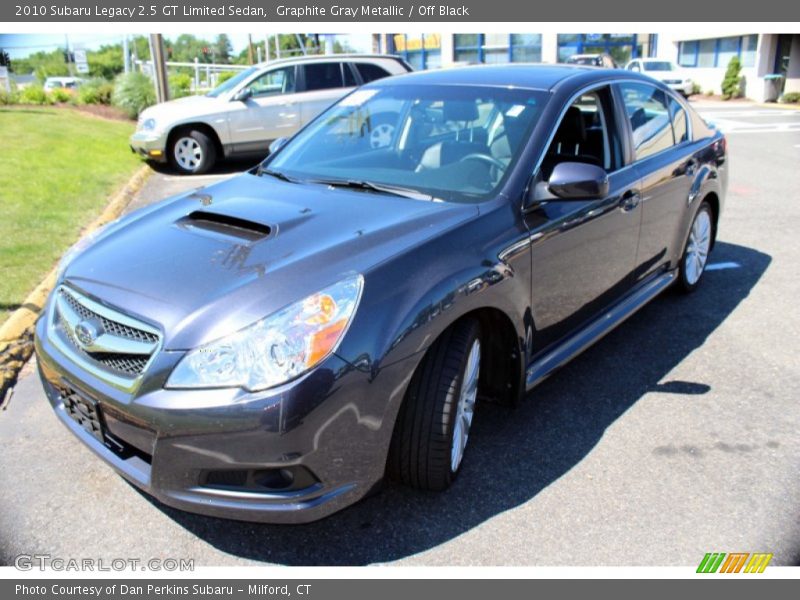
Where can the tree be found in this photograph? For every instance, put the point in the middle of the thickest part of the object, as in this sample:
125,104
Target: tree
223,48
732,82
5,60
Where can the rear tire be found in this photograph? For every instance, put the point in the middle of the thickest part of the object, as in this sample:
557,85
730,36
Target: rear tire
432,428
192,152
697,249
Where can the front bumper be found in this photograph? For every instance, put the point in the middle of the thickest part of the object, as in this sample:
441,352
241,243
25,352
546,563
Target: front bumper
330,429
683,87
150,145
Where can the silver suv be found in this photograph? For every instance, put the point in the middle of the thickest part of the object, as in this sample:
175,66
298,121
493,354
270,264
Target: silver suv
245,114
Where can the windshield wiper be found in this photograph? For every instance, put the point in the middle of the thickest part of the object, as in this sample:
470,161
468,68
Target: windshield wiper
276,174
371,186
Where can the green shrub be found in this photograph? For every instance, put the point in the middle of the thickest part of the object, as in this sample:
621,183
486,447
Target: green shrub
60,96
732,82
696,89
791,98
8,97
95,91
33,94
224,76
133,92
180,85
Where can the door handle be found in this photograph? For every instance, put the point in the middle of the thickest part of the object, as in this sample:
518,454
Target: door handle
630,200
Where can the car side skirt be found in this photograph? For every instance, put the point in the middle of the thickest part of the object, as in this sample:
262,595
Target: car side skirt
542,367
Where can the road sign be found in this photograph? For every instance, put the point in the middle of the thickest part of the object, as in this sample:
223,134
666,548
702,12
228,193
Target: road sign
81,64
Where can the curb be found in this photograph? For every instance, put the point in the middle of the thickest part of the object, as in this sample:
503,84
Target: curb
16,334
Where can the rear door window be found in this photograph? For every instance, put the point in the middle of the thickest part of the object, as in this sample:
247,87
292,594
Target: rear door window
679,120
651,126
323,76
371,72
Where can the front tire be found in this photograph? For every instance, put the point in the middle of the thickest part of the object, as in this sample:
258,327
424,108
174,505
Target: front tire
433,426
697,249
192,152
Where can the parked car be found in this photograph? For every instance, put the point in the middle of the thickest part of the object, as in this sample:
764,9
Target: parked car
665,71
66,83
242,116
592,60
270,347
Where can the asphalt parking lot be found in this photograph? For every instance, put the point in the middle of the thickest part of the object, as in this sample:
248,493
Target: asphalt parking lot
674,436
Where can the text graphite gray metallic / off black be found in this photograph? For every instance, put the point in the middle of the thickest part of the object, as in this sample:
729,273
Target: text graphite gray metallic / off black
271,347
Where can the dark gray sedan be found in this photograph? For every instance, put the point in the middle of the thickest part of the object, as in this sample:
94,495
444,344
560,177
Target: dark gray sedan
271,347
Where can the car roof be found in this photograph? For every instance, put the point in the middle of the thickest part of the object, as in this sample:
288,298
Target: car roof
327,57
526,76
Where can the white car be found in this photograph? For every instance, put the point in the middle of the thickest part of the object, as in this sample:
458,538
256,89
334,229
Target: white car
65,83
664,71
245,114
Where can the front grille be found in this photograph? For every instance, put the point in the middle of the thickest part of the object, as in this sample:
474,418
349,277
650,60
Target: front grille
110,326
117,330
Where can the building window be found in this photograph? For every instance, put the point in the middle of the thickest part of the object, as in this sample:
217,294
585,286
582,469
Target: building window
526,47
497,47
687,54
748,52
622,47
717,52
467,47
421,51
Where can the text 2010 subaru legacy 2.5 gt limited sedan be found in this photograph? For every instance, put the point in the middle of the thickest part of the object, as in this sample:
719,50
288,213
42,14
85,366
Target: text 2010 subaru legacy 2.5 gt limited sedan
271,347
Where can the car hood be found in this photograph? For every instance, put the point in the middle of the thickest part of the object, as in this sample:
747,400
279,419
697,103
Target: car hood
213,261
182,108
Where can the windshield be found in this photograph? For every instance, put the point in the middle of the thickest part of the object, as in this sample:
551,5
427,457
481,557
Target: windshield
454,143
660,65
231,83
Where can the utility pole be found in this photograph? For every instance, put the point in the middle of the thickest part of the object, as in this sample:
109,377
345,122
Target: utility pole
249,49
159,67
126,58
277,45
70,66
266,47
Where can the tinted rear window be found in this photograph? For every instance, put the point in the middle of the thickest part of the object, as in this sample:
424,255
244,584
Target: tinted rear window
371,72
323,76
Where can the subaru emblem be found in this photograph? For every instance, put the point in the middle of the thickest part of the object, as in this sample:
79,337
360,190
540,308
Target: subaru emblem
86,333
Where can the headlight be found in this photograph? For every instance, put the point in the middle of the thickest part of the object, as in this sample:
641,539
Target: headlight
147,125
277,348
79,246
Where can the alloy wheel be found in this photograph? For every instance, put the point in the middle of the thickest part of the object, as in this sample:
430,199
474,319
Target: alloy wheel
697,247
466,406
188,153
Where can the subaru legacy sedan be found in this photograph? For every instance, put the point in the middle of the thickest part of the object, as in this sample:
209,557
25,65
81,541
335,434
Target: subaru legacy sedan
273,346
243,115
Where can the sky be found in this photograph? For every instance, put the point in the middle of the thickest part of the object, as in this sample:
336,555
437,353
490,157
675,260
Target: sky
21,45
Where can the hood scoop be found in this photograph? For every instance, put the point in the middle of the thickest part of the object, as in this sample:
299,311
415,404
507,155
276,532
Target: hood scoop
202,221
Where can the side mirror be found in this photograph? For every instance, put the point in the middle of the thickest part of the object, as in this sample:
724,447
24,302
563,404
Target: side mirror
277,144
578,181
243,95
